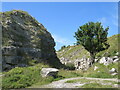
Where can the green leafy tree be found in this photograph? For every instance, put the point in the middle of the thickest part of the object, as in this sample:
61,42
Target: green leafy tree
93,37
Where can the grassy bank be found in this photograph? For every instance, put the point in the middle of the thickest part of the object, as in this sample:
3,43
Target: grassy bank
21,77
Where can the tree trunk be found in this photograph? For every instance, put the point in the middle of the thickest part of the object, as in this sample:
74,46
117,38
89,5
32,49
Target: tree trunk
92,58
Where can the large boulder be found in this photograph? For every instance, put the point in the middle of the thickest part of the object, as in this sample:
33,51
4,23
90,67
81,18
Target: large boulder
25,39
49,72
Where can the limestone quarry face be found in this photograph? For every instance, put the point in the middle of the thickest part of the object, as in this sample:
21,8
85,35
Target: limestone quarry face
25,39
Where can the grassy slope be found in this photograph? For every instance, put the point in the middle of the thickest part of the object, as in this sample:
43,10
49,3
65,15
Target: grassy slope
23,77
30,77
102,71
74,52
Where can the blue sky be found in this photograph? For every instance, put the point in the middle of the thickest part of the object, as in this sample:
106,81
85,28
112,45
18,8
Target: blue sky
63,19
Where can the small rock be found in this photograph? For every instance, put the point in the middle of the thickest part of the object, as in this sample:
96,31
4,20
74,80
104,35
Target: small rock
96,60
113,74
115,85
109,60
117,53
102,60
106,63
95,68
115,57
98,71
116,60
49,72
113,70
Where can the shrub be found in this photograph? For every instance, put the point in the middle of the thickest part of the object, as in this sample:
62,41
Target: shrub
33,62
70,66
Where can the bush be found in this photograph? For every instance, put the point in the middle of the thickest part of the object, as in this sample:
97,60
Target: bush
17,81
19,78
33,62
70,66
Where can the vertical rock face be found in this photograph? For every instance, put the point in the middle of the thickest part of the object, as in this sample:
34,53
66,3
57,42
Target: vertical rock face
25,39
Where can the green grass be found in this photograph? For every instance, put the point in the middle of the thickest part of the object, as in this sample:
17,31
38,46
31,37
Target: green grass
42,81
69,51
30,76
113,41
0,82
113,82
78,80
95,85
23,77
69,73
88,80
114,65
62,74
101,72
10,12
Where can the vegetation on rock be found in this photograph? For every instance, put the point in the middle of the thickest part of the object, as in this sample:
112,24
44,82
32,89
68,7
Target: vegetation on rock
24,39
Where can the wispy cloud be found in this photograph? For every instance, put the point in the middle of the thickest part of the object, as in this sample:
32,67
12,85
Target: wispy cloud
115,19
114,16
102,20
61,40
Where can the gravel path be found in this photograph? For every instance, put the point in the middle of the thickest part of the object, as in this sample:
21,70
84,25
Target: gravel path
62,84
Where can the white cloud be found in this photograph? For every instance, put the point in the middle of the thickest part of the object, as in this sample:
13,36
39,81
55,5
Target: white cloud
103,20
61,40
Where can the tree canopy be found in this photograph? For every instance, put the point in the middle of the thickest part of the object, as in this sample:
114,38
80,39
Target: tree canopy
93,37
